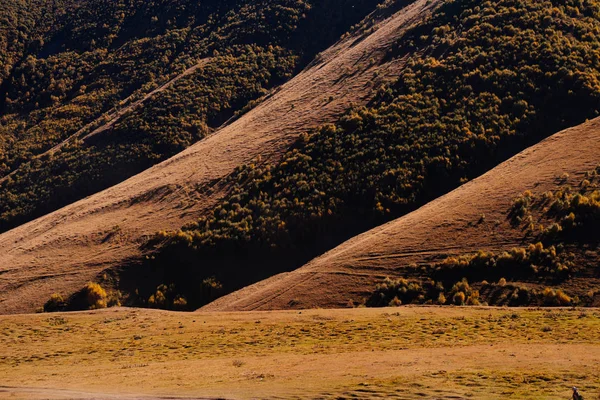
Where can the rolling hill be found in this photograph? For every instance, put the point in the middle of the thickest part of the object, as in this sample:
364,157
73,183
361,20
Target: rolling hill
474,217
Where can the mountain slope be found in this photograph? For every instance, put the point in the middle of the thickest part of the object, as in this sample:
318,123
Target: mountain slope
480,84
471,218
63,250
72,67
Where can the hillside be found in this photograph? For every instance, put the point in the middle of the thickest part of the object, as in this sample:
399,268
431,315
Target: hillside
62,251
73,75
481,83
475,217
414,101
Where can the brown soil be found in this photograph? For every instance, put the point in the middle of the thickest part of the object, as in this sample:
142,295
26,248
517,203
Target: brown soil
449,225
60,252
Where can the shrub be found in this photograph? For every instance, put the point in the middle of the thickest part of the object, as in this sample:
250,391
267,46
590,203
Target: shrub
458,298
463,294
553,297
520,207
395,302
166,297
95,296
441,299
55,303
473,298
157,300
180,303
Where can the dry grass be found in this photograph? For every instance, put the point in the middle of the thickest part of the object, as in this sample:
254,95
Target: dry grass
404,353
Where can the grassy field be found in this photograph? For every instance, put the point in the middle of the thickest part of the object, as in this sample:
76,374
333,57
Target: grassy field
407,352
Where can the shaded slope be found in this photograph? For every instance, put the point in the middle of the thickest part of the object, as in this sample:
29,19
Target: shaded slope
471,218
61,251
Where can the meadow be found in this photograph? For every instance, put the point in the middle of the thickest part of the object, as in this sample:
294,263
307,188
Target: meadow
408,352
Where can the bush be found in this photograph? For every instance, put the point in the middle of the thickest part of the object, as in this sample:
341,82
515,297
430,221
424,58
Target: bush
158,299
441,299
458,299
553,297
55,303
463,294
96,296
395,302
180,303
166,297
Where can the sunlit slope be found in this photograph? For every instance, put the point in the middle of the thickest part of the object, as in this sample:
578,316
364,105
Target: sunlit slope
93,92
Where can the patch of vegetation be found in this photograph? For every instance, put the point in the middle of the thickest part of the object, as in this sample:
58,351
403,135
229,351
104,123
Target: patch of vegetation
571,214
555,297
92,297
96,296
576,213
395,292
166,298
483,79
532,262
55,303
560,219
170,297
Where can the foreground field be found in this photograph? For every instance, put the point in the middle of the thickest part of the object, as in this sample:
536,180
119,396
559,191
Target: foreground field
408,352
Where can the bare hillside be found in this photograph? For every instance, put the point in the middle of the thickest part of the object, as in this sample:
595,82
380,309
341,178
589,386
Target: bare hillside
471,218
60,252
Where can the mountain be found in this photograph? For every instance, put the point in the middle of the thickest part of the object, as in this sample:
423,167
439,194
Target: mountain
414,101
480,84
